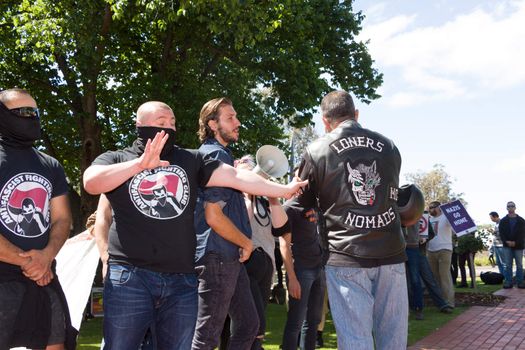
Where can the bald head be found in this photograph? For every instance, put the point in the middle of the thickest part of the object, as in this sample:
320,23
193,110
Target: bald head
15,98
155,113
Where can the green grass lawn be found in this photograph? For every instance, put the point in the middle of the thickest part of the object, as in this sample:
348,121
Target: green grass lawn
91,331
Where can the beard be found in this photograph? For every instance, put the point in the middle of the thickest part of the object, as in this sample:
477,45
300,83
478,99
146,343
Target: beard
228,137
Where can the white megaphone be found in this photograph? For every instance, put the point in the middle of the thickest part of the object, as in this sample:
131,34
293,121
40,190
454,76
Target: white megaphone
271,162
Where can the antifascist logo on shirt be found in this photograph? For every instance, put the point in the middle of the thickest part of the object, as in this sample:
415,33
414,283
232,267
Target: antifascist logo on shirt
24,204
161,193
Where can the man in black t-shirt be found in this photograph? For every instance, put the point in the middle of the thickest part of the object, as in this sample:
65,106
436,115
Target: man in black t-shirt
34,224
303,260
151,281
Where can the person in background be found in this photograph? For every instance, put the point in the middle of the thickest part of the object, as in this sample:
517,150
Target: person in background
303,260
429,281
512,233
497,244
439,250
267,220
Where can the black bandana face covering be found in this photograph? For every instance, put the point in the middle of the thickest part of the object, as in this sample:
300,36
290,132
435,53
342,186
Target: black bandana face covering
18,132
149,132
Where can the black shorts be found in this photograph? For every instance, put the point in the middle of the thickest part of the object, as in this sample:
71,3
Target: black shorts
11,295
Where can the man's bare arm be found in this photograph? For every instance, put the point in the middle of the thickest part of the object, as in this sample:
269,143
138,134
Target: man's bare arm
279,217
103,221
60,227
10,253
294,287
104,178
249,182
221,224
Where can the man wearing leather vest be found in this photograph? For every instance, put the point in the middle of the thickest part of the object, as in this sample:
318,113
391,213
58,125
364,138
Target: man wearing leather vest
353,177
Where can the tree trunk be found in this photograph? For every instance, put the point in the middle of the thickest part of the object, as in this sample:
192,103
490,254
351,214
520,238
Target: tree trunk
473,272
91,148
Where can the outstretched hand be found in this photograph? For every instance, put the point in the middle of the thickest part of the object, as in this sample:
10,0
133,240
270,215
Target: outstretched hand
150,159
295,187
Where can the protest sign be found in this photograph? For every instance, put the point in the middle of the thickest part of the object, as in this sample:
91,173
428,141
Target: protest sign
423,226
458,217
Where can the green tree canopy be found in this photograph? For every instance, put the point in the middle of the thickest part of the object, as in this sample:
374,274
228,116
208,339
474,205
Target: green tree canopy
90,64
435,184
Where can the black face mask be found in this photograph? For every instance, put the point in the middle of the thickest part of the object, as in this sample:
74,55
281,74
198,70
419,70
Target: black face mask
18,132
149,132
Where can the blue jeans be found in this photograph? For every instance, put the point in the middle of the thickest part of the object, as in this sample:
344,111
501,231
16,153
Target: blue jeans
510,255
430,282
224,288
500,260
416,288
306,311
136,299
369,304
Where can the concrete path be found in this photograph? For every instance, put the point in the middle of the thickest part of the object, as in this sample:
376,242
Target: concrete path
480,327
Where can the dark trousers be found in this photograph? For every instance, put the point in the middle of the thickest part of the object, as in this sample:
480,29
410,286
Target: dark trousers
454,267
260,271
224,288
462,258
414,280
278,264
305,314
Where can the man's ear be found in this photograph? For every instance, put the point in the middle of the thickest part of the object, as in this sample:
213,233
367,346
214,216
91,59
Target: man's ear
356,115
213,125
327,127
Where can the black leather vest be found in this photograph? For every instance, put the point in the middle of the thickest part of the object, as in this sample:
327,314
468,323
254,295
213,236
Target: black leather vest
354,175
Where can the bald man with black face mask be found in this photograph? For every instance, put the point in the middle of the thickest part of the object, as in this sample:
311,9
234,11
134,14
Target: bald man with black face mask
34,224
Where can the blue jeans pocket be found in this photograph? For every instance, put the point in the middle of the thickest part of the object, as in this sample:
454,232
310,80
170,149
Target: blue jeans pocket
190,280
399,269
119,274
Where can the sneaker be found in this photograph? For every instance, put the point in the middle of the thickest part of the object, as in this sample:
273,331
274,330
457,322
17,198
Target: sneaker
419,315
507,286
521,285
462,285
319,342
447,310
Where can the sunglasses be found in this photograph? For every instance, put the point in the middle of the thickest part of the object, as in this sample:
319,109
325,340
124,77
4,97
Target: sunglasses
26,112
434,207
511,206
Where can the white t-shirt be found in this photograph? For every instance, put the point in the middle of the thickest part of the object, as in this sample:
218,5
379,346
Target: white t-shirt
443,234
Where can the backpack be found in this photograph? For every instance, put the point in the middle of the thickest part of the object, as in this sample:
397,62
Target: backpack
491,277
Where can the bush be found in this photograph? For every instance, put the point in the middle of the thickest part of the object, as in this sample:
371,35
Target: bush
469,244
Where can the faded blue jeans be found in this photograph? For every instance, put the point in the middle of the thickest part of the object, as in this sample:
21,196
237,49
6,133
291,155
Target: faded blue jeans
501,261
510,255
136,299
305,312
369,305
224,288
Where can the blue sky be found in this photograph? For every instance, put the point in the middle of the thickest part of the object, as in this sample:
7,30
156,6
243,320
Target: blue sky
453,93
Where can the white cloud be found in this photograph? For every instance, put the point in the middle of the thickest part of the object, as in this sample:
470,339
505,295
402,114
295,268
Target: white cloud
470,55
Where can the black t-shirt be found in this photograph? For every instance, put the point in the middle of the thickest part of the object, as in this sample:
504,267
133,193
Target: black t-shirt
28,181
153,211
306,247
